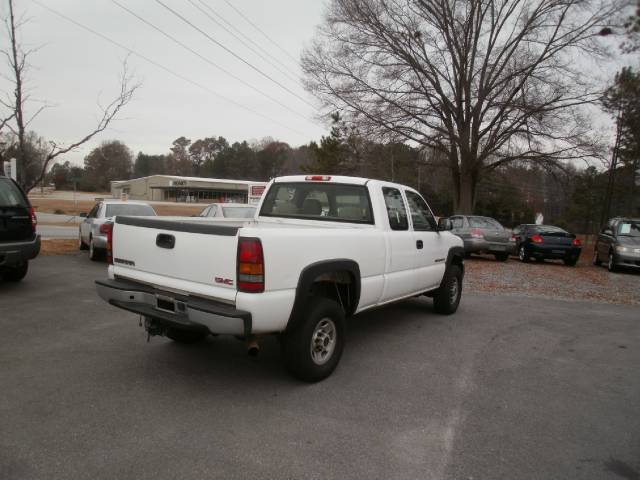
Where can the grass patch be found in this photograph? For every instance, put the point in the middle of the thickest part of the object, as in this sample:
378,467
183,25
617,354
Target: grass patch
58,246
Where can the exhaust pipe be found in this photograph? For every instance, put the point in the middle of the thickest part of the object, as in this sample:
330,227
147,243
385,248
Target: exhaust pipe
253,348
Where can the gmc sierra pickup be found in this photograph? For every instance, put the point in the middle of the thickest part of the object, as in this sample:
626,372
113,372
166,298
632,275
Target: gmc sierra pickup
320,248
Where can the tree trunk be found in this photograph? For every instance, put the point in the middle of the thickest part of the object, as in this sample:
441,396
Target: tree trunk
466,194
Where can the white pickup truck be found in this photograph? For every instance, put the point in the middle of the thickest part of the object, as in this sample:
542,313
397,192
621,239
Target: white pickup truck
320,248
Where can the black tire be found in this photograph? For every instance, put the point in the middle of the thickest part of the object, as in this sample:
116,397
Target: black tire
323,327
571,261
501,257
447,298
186,336
16,273
523,255
596,259
95,254
611,263
81,244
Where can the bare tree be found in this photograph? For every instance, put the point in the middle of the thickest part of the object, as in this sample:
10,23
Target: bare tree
16,102
484,82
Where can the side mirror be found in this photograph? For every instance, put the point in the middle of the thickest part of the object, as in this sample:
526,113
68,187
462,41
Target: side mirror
83,215
445,224
608,231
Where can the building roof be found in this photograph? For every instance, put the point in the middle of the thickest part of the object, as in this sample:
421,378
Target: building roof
190,179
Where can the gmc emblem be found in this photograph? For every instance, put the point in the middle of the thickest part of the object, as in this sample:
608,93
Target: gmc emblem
224,281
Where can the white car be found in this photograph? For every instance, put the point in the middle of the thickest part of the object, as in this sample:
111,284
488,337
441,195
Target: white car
320,248
92,234
229,210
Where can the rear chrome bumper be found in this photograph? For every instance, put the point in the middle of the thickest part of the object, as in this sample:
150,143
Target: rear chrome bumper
176,311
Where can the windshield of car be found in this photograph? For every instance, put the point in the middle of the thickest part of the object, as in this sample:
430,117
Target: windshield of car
485,222
238,212
629,229
318,201
129,209
10,195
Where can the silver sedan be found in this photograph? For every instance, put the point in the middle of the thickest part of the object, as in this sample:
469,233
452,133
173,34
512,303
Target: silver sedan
93,231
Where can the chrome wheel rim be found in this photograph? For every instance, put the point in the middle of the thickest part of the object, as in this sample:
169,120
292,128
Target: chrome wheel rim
91,252
454,291
323,341
521,253
610,261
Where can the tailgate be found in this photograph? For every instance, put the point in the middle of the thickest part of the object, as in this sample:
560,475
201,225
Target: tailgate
185,256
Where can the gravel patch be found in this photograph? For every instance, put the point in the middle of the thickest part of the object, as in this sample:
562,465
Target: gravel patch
552,279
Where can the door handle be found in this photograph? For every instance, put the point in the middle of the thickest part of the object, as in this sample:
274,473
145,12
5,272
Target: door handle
419,245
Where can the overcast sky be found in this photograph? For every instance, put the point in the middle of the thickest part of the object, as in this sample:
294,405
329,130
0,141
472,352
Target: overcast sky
74,69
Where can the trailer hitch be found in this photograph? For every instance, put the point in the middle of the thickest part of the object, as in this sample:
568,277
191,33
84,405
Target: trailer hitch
153,328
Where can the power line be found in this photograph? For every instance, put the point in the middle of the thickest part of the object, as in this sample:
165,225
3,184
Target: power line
284,87
235,77
162,67
271,60
260,30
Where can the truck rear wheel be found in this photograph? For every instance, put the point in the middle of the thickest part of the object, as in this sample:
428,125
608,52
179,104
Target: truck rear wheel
313,349
447,298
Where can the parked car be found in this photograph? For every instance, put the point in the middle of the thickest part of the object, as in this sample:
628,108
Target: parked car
92,233
619,244
482,235
229,210
320,249
19,241
542,242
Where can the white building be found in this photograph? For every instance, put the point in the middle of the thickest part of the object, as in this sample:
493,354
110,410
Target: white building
170,188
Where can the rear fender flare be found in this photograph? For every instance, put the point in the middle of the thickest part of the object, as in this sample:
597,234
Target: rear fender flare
313,271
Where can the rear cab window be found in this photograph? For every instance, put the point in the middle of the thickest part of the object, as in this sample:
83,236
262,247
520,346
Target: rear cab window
11,195
396,211
318,201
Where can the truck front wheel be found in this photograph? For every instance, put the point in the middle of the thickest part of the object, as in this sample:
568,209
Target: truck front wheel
447,298
312,350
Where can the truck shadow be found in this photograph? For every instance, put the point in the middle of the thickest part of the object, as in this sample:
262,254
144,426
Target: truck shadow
220,362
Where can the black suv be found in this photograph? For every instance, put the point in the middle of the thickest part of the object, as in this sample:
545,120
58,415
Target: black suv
619,244
19,242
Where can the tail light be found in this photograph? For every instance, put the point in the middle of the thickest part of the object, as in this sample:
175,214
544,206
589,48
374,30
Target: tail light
513,237
576,242
250,265
476,233
317,178
107,228
537,239
34,219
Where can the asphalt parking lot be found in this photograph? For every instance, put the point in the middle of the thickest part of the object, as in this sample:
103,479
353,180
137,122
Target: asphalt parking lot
513,387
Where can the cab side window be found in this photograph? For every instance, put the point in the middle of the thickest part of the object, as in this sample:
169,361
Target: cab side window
395,209
421,216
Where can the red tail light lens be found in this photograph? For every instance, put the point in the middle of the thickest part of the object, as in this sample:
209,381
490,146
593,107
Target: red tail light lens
250,265
34,219
108,229
537,239
576,242
476,233
513,238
